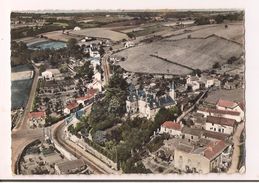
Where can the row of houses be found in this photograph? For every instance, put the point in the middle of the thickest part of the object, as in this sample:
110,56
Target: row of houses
195,82
208,147
198,150
74,105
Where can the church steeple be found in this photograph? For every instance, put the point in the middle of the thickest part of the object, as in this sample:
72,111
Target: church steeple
172,91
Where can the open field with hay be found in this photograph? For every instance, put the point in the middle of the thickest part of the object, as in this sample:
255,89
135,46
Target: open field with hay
100,33
196,53
234,32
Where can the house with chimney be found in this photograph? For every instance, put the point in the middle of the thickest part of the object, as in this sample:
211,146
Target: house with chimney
203,157
172,128
220,124
235,115
71,107
231,106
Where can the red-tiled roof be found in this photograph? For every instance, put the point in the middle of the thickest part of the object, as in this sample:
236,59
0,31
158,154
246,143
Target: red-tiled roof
221,121
172,125
214,149
91,91
209,110
226,103
215,135
72,105
90,94
40,114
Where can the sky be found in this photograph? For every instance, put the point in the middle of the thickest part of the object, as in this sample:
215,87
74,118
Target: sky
123,4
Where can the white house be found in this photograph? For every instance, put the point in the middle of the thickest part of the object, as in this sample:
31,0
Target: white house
193,82
209,81
221,125
128,44
230,106
96,84
95,62
77,28
171,128
97,76
70,108
47,75
85,100
221,113
94,54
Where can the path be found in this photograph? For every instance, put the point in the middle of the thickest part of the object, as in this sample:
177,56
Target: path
236,153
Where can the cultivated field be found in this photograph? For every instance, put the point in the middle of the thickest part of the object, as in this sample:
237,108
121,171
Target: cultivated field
59,36
100,33
194,53
31,40
234,32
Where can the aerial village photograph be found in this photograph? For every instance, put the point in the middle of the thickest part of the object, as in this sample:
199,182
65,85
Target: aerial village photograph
127,92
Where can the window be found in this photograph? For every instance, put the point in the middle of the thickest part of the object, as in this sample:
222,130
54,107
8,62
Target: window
192,137
219,130
212,124
214,129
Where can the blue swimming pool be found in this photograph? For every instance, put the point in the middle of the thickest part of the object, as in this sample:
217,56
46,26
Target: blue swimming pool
48,45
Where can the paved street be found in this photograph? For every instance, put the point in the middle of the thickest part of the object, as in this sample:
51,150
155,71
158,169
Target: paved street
21,134
106,67
22,124
95,164
235,157
76,151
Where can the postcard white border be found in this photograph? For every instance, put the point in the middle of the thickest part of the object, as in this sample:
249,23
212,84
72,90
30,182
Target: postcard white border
252,75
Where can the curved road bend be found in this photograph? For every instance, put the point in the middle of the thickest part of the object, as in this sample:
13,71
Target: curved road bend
20,139
58,136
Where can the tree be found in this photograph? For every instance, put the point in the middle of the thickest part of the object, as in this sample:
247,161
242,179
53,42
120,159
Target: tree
42,68
216,65
231,60
219,19
72,43
162,116
202,21
196,72
101,51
